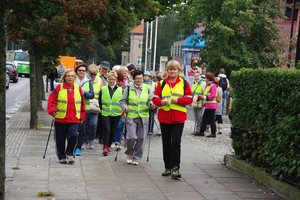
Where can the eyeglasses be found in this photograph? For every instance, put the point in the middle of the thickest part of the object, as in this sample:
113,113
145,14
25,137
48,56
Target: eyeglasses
81,70
70,76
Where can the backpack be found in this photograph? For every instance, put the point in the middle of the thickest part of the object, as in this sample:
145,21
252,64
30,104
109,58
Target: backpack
223,83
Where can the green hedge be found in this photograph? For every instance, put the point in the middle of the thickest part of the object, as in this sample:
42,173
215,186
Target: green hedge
266,114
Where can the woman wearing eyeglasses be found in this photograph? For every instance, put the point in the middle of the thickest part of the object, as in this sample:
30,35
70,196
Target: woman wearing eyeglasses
91,118
88,90
66,104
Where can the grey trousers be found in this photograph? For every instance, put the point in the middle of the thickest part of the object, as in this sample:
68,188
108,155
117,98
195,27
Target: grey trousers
198,113
136,139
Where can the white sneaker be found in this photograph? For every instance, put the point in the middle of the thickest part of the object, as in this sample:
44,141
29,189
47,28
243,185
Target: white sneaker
135,163
83,147
70,159
129,159
113,145
118,147
91,143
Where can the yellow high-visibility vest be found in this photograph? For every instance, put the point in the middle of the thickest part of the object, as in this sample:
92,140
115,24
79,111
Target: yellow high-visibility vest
138,106
62,101
207,94
197,89
177,92
111,106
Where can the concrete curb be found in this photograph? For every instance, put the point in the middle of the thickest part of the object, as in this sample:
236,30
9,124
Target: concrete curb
283,189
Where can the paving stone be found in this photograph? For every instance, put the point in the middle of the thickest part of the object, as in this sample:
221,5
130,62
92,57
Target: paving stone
94,176
258,195
222,197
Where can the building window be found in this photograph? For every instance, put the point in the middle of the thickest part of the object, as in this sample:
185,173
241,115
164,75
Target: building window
124,60
139,60
289,10
140,44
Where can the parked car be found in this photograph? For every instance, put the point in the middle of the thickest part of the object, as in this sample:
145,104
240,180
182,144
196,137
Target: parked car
7,80
12,71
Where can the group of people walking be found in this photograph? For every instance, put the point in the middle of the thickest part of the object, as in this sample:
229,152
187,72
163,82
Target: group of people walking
93,101
207,107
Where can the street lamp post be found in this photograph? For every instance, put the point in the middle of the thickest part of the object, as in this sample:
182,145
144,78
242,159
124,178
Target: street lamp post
149,56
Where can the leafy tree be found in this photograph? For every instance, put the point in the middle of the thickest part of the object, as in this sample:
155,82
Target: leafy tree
49,27
86,50
238,33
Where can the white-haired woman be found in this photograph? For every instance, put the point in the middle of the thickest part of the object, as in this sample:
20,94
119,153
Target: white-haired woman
198,89
126,79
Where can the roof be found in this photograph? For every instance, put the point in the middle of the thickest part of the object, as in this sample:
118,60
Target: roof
138,29
189,41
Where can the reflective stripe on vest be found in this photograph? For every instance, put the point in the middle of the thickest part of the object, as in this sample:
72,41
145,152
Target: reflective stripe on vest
208,94
86,87
111,106
197,89
138,106
97,88
177,92
62,101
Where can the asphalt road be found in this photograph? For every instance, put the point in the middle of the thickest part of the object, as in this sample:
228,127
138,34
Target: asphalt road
16,95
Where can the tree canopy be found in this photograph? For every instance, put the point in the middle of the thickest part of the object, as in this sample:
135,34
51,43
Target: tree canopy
238,33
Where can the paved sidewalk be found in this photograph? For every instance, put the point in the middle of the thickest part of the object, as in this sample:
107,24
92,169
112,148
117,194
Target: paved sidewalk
96,177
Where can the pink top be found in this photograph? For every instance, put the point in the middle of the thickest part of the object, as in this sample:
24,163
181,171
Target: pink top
126,80
213,94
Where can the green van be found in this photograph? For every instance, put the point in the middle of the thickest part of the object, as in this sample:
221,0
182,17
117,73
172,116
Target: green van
21,60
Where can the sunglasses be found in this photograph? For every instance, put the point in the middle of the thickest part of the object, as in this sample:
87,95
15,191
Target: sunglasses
93,74
81,70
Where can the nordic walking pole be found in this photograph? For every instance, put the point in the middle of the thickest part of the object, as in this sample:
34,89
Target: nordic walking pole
48,138
156,125
150,132
123,131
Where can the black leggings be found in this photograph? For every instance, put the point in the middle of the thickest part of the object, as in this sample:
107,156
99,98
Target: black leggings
219,119
171,139
208,118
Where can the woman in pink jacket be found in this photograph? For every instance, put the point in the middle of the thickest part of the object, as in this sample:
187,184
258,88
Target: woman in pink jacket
211,105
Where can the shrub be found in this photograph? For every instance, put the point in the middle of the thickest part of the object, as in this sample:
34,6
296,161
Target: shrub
267,111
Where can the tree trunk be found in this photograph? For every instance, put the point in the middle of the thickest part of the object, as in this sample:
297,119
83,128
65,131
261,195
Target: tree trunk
43,86
2,102
47,84
33,53
39,81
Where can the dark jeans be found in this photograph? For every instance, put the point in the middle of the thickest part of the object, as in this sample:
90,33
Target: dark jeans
119,130
62,133
109,129
171,140
80,136
208,118
151,119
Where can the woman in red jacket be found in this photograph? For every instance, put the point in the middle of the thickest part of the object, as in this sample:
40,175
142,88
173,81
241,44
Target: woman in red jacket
171,96
66,104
